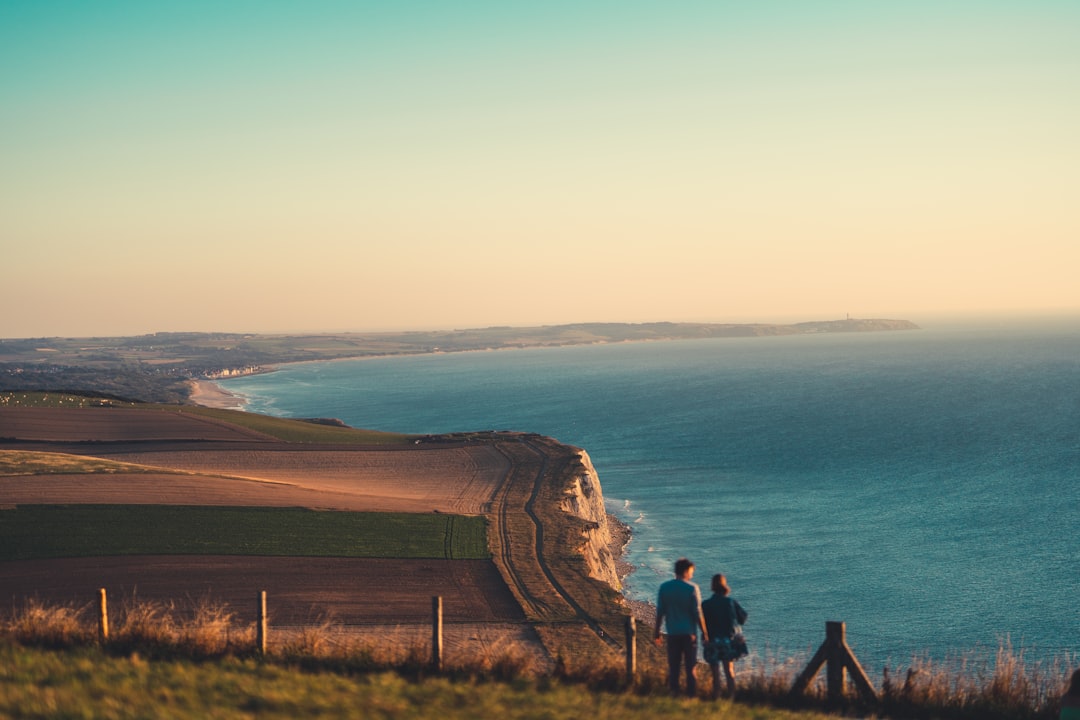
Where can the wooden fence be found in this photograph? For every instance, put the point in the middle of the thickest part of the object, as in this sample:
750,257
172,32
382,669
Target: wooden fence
834,654
262,625
837,658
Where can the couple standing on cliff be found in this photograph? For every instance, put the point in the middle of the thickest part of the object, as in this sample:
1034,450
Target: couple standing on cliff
679,606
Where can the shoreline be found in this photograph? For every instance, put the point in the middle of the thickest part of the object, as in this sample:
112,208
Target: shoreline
621,535
208,393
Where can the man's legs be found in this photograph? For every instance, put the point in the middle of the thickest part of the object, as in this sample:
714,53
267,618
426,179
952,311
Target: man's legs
690,661
674,657
682,650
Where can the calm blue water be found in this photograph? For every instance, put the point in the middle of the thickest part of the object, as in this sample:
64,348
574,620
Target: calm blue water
923,487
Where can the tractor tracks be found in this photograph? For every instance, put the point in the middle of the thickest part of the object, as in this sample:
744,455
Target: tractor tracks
522,554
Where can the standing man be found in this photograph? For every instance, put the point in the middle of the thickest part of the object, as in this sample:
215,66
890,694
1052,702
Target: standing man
678,604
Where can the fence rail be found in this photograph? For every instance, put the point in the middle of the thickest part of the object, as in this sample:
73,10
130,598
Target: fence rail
834,654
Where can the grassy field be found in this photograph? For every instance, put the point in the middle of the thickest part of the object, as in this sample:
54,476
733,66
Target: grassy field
32,532
86,683
27,462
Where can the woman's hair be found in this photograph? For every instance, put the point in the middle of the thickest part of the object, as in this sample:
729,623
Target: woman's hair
719,584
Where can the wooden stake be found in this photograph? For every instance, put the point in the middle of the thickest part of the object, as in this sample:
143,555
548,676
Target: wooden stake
837,657
436,633
103,617
631,650
261,625
834,659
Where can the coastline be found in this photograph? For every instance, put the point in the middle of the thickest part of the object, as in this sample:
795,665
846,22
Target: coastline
621,535
205,391
208,393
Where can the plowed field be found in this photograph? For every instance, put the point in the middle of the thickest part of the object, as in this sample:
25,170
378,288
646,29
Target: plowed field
224,464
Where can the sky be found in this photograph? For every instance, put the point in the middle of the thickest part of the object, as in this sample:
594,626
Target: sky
323,166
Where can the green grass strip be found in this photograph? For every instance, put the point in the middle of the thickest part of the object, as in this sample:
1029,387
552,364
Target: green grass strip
87,683
33,532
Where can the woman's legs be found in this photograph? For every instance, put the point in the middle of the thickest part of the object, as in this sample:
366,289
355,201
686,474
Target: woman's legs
729,670
729,673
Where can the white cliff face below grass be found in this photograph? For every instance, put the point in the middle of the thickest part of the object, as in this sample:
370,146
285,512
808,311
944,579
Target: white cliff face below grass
585,500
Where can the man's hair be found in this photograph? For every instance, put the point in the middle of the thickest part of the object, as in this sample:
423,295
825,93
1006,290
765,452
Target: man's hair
682,566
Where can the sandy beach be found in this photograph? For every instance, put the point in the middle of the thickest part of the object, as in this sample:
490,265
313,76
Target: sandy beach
209,394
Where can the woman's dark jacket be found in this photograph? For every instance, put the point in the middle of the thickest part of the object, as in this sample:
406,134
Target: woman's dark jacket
722,614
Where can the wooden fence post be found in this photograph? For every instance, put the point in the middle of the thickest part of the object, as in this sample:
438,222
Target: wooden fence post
103,617
436,633
834,659
261,625
631,650
837,657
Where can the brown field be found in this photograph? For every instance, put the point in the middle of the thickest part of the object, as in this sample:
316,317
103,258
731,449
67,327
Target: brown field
299,591
229,465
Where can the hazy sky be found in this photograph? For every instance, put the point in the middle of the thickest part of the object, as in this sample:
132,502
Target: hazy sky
275,166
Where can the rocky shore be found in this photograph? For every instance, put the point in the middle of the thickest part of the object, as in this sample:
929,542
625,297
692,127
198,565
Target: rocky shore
621,534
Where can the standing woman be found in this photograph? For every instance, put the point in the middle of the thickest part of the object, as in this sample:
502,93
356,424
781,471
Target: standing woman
723,616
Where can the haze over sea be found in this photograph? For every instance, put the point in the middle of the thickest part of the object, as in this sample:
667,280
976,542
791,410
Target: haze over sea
922,486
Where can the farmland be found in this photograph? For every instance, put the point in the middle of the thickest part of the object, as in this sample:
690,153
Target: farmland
174,502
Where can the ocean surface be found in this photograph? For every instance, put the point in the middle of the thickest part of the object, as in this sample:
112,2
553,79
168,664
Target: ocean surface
921,486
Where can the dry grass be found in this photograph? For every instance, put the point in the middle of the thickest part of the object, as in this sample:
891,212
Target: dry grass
1001,687
46,625
201,629
1004,686
25,462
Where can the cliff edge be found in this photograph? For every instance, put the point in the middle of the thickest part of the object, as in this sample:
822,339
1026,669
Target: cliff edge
584,500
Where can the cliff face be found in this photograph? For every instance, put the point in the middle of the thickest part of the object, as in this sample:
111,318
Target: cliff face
583,499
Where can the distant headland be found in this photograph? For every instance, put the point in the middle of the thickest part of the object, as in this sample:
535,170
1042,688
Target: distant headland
160,367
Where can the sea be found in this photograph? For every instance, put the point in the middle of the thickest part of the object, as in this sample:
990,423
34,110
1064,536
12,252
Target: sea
922,486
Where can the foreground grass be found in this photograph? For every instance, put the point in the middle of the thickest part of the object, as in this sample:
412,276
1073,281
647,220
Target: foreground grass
162,661
34,532
85,683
